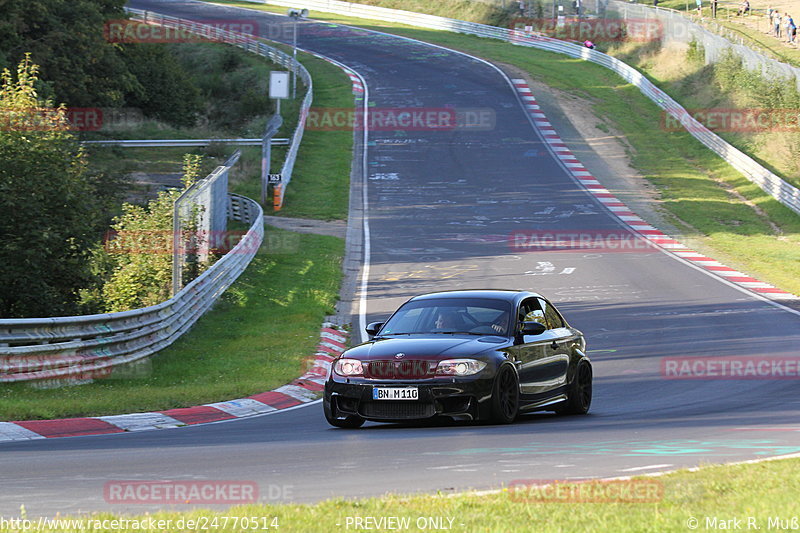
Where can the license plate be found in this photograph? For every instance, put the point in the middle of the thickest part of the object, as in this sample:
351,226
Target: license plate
395,393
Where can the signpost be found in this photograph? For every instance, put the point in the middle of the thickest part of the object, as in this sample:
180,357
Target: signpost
278,89
295,14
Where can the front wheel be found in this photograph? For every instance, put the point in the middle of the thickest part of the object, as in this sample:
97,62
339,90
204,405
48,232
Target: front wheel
580,392
505,397
348,422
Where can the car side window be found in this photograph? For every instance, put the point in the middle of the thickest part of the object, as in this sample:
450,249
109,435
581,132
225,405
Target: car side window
554,320
531,311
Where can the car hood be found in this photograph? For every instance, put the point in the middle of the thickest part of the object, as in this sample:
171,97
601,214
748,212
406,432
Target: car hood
426,347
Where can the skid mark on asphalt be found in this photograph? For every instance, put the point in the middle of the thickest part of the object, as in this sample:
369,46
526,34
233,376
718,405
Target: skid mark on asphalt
430,272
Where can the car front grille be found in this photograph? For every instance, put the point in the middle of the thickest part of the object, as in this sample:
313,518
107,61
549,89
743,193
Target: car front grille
406,370
399,410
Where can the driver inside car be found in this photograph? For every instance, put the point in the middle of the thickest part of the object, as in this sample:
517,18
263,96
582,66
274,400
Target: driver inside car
446,320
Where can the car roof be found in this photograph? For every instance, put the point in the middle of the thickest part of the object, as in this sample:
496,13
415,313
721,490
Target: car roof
493,294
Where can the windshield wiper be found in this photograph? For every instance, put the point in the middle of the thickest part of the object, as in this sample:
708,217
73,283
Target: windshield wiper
459,333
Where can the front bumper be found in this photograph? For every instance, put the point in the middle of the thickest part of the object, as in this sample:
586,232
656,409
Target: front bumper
458,399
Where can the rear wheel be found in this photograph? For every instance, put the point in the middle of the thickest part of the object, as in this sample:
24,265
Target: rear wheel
347,422
505,397
580,392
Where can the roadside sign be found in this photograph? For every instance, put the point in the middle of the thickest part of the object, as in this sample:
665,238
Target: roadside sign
278,84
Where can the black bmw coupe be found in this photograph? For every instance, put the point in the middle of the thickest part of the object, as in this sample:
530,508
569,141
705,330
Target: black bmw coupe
467,355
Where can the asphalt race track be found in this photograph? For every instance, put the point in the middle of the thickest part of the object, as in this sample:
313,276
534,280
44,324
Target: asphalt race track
441,207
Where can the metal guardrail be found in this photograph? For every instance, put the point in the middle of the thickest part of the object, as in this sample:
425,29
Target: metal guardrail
77,348
245,42
149,143
779,189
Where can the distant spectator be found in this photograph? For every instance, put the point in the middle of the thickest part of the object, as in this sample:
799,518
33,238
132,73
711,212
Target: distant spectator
745,8
588,44
791,29
776,23
786,21
699,7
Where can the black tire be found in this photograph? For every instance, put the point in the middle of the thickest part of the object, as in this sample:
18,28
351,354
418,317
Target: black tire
579,398
348,422
505,396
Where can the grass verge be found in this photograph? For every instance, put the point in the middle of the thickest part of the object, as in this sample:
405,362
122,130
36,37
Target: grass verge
260,332
759,495
699,192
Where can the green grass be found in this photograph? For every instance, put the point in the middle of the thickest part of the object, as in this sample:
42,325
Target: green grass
256,338
764,491
681,168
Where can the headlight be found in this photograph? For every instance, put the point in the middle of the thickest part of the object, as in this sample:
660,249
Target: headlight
459,367
349,367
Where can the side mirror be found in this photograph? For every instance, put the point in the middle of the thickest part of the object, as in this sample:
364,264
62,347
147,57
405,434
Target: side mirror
373,328
532,328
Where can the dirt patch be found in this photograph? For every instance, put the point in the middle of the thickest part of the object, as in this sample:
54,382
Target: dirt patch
334,228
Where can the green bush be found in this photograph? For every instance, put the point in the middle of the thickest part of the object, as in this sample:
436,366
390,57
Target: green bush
140,254
696,52
52,206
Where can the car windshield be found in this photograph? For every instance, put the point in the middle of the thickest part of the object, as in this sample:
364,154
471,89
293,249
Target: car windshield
471,316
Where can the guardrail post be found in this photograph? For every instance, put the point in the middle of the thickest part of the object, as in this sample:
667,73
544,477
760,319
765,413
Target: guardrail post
277,197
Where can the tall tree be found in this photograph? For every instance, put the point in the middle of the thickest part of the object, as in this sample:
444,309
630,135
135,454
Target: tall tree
65,37
50,209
